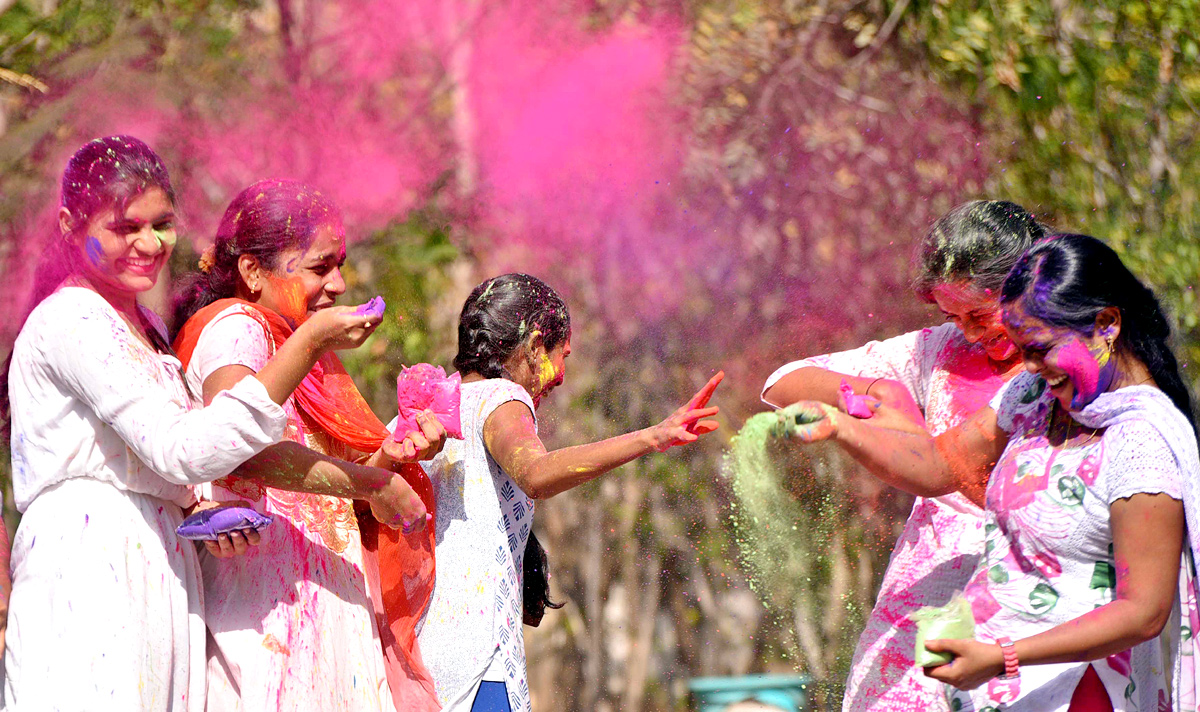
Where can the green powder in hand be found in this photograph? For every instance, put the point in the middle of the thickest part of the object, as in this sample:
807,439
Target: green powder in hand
953,620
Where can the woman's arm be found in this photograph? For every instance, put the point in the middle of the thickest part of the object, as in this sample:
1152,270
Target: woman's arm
896,408
960,459
510,435
328,330
1147,542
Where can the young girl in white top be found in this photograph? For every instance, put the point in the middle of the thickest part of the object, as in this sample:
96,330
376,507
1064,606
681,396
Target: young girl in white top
106,610
514,337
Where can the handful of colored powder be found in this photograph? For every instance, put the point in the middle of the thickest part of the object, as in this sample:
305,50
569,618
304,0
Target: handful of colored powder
855,405
427,387
787,420
207,524
953,620
373,308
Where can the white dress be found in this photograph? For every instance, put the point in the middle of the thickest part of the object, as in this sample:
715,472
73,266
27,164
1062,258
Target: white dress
472,630
106,610
942,539
291,623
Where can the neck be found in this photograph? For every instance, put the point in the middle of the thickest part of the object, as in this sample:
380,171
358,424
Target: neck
1131,372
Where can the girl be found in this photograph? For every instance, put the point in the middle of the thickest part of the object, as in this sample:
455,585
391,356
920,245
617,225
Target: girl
1091,454
106,606
293,625
514,337
950,371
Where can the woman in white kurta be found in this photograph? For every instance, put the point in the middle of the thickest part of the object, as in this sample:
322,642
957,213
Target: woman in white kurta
949,371
1085,595
106,609
514,335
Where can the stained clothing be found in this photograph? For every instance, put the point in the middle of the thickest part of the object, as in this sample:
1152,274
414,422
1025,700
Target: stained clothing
106,603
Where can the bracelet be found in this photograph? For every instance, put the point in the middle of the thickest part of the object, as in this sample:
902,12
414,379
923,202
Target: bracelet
867,392
1012,664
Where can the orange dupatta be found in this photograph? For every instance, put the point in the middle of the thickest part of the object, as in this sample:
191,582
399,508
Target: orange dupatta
399,569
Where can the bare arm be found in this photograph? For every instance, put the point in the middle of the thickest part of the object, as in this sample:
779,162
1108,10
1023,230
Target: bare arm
511,438
1147,543
960,459
327,330
897,408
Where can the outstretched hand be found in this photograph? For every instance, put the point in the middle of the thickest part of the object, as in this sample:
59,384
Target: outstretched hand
689,422
337,328
974,662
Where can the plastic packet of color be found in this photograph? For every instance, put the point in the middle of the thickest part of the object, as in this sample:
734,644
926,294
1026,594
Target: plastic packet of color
427,387
207,524
853,404
953,620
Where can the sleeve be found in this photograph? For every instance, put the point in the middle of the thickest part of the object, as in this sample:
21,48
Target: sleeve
907,358
114,377
1018,398
503,392
231,339
1141,462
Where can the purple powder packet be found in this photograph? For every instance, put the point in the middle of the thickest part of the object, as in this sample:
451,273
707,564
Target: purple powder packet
208,523
373,308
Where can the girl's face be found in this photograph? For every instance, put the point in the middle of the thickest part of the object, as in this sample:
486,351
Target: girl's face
976,312
1077,367
125,253
305,280
547,370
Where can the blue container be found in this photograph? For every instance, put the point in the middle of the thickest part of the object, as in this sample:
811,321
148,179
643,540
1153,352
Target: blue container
715,694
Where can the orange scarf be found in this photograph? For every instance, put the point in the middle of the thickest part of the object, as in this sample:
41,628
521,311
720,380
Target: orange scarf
399,569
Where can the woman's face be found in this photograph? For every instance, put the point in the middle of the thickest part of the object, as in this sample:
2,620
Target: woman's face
1077,367
305,280
125,253
547,370
976,312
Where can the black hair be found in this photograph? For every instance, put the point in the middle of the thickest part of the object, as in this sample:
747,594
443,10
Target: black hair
501,315
1068,279
263,220
977,242
535,594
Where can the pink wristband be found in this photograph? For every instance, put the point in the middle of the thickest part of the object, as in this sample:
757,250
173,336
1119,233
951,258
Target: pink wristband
1011,662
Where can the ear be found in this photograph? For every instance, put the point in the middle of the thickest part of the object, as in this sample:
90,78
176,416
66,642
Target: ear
250,270
536,345
65,221
1108,324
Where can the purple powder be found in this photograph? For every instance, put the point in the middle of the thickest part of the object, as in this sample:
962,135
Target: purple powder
207,524
373,308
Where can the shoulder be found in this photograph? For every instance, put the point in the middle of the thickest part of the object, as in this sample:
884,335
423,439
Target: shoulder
1139,459
490,394
71,315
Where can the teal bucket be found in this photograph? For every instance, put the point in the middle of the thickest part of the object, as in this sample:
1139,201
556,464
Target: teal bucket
716,694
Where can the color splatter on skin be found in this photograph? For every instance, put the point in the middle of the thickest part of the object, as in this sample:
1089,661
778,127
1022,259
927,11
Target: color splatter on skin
1091,374
94,251
166,238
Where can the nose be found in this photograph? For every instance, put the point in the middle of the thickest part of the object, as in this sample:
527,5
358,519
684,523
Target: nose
972,331
335,285
147,242
1033,363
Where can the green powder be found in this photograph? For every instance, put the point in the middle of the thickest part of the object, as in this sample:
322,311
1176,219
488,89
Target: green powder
797,525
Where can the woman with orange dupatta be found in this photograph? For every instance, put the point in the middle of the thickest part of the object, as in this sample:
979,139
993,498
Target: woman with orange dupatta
320,615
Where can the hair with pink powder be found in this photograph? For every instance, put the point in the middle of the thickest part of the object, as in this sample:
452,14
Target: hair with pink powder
263,220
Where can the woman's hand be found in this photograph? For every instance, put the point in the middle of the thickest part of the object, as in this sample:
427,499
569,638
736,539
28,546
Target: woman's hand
417,446
396,505
337,328
809,421
974,662
235,543
689,422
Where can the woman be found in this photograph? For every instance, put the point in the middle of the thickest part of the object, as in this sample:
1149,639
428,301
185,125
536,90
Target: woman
1091,455
950,371
293,624
106,604
514,336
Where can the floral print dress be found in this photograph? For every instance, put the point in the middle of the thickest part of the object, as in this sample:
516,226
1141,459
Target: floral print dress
1048,553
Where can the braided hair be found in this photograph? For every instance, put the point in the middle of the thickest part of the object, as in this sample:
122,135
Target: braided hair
501,315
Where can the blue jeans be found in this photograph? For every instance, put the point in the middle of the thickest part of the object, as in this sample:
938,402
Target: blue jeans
492,697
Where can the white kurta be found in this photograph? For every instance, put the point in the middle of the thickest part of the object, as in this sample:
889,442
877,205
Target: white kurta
106,609
291,623
943,537
472,630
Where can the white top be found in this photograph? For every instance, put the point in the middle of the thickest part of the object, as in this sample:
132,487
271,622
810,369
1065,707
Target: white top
943,536
89,399
472,629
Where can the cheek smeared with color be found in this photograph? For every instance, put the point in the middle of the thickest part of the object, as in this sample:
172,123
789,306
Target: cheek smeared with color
1091,374
166,238
94,252
293,299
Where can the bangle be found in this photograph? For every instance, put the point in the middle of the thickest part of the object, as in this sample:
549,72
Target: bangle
1012,664
867,392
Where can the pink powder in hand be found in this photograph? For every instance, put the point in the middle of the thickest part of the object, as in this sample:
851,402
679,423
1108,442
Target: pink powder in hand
427,387
854,405
373,308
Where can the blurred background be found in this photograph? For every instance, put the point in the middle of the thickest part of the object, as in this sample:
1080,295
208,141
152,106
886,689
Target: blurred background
712,184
